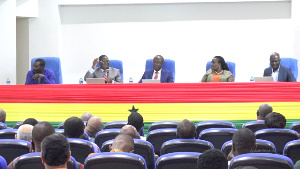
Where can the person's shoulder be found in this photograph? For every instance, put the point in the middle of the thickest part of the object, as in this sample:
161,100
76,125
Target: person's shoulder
113,69
48,70
284,67
227,72
165,71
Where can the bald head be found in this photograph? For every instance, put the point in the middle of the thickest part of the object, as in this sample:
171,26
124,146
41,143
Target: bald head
25,132
123,142
130,130
39,132
263,110
93,125
186,130
2,116
86,116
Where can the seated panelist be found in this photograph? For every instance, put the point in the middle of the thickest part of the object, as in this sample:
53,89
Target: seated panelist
279,72
39,74
219,71
158,73
111,75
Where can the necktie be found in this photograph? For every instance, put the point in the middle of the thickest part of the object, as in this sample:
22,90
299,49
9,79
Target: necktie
104,75
156,75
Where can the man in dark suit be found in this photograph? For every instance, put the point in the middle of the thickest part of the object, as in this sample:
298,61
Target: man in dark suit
158,73
277,71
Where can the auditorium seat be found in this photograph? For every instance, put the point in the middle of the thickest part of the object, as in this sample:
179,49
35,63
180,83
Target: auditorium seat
85,136
291,63
168,65
159,136
8,133
3,164
179,160
162,124
185,145
292,149
115,160
12,148
2,126
231,66
105,135
82,148
217,136
262,146
255,125
212,124
262,161
52,63
114,124
279,137
18,124
61,125
295,126
118,64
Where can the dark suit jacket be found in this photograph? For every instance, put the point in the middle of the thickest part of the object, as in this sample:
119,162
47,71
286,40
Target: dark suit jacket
285,74
166,76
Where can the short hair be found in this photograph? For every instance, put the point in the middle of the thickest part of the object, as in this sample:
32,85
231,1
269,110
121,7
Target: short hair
101,57
221,60
40,131
163,60
31,121
263,110
275,54
123,142
136,119
129,130
275,120
86,116
244,140
55,150
42,62
186,129
212,159
73,127
2,116
25,132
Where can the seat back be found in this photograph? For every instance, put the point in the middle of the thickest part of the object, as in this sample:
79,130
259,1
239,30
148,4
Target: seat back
262,161
217,136
291,63
115,161
255,125
162,124
61,125
115,124
8,133
262,146
212,124
81,149
52,63
231,66
105,135
18,124
12,148
3,164
178,160
279,137
168,65
185,145
295,126
292,149
159,136
2,126
118,64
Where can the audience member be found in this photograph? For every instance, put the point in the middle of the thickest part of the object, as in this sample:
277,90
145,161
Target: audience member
136,119
158,73
122,143
39,74
275,120
31,121
111,75
212,159
24,132
263,110
55,152
93,125
219,71
130,130
186,130
73,127
245,167
243,141
86,116
2,116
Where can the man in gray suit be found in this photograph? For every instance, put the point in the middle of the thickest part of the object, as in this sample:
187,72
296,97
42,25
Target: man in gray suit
277,71
111,75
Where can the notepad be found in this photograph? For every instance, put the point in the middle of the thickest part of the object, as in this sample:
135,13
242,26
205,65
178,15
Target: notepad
95,80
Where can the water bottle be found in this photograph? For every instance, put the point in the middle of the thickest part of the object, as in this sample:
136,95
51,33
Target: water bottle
80,81
8,81
131,80
251,79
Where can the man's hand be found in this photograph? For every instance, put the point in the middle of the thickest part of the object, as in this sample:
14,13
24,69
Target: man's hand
41,76
35,76
108,80
95,63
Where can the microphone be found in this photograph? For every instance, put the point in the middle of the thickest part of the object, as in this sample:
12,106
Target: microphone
107,69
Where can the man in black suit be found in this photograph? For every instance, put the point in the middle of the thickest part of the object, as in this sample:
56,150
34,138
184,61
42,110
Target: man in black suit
277,71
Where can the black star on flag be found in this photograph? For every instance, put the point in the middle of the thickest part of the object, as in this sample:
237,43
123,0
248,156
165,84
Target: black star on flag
133,110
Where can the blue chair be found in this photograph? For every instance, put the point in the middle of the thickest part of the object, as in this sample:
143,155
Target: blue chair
231,66
168,65
12,148
255,125
212,124
185,145
2,126
18,124
115,124
115,160
52,63
8,133
295,126
262,161
292,149
217,136
291,63
3,164
162,124
178,160
105,135
118,64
